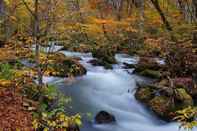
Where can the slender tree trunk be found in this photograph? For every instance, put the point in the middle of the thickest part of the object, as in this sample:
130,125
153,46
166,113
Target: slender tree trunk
81,18
162,15
36,42
119,10
5,20
181,7
1,18
141,11
104,27
129,7
194,2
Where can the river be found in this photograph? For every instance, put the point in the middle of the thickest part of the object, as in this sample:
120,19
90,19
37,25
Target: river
111,91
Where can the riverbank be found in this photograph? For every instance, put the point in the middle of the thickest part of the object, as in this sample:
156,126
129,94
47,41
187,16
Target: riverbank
111,90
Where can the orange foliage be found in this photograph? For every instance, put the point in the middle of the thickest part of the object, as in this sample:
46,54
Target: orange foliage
12,114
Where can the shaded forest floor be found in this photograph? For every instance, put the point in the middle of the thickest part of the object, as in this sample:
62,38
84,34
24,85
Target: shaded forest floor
13,115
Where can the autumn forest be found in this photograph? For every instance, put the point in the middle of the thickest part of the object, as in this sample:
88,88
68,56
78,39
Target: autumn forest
98,65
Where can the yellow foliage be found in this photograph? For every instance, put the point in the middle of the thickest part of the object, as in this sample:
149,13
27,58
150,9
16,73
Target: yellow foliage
59,121
7,2
103,21
5,83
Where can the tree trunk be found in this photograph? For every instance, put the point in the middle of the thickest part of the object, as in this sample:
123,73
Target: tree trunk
36,42
194,39
194,2
141,11
1,7
162,15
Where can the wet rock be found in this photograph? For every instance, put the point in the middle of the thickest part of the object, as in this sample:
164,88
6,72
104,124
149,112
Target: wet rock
60,65
183,99
147,63
149,67
162,106
104,117
105,56
129,66
73,128
151,73
144,93
94,62
163,99
73,67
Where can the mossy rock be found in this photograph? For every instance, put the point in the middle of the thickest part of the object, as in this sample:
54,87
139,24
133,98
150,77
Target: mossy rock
96,62
144,94
164,100
60,65
105,57
147,63
151,73
162,106
183,99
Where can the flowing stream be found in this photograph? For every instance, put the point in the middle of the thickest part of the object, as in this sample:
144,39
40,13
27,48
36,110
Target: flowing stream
111,91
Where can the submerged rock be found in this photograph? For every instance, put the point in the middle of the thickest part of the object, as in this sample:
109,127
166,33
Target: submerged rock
104,117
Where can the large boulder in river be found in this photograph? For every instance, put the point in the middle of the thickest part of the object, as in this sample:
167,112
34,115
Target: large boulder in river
163,99
149,67
144,93
147,63
105,56
162,106
183,99
166,107
60,65
104,117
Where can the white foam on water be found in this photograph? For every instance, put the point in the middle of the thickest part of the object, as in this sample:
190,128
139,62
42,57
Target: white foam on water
113,91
